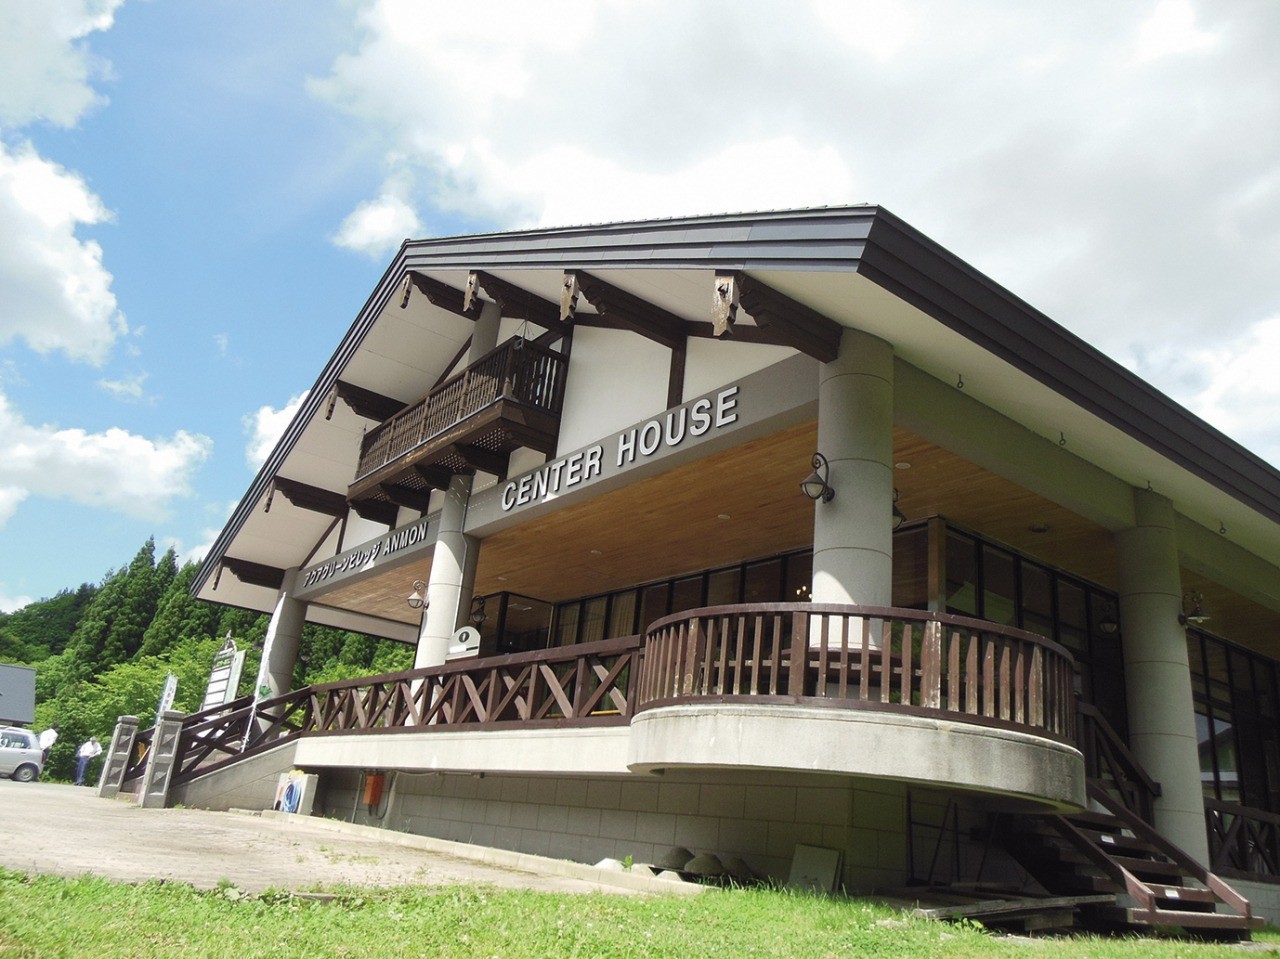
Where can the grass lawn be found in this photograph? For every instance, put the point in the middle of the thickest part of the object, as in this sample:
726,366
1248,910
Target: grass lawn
49,917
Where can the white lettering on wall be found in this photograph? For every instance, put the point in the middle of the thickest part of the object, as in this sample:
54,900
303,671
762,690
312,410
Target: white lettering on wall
667,430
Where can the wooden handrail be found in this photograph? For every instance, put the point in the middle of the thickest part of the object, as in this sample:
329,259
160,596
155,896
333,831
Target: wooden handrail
878,657
1109,760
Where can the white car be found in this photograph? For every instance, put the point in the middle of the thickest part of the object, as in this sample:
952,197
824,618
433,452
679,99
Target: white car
19,754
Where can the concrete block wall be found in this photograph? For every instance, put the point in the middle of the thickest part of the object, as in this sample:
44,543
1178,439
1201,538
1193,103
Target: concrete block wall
759,817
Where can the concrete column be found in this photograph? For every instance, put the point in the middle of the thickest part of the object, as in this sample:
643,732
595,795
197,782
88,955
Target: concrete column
284,634
453,571
1162,729
484,336
853,534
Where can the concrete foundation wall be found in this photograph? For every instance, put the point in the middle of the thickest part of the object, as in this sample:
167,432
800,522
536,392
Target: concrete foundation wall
1264,897
249,784
758,816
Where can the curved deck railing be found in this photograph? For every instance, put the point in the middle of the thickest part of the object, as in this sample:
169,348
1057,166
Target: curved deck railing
867,657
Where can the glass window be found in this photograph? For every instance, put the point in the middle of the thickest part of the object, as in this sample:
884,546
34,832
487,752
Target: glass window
622,614
911,569
653,604
723,587
1037,600
799,578
962,575
593,621
567,618
999,587
763,582
686,594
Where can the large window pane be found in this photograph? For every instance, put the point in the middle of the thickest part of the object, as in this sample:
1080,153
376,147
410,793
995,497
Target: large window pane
686,594
799,580
722,587
593,612
999,587
622,614
763,582
654,604
911,569
962,575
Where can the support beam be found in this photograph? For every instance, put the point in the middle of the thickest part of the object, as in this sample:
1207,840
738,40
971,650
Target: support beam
799,326
437,477
629,311
376,511
675,378
253,574
439,294
518,303
364,403
406,497
481,459
308,497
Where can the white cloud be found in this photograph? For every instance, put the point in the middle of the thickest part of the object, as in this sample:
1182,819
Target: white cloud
11,498
11,604
265,426
45,68
114,469
1117,165
128,388
56,291
1171,30
378,226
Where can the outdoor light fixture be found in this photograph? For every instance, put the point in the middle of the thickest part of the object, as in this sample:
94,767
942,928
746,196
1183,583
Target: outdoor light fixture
477,611
418,598
817,487
1108,625
1193,613
899,517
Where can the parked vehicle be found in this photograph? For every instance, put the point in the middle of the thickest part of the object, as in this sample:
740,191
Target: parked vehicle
20,757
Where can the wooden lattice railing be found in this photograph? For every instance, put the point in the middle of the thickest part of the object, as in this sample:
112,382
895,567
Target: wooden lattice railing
1243,840
585,685
518,371
862,657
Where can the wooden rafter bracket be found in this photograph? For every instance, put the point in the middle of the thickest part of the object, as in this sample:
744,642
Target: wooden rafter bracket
364,403
797,325
253,574
620,308
518,303
437,477
478,458
439,294
308,497
406,497
376,511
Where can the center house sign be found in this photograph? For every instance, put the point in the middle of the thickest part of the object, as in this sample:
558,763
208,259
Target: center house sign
693,419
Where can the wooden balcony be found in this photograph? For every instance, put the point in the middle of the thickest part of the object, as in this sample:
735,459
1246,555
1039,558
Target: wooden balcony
509,398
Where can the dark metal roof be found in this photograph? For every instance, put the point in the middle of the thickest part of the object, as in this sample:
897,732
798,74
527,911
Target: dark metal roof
864,239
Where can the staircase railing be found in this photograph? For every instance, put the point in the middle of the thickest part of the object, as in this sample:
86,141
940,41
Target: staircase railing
1107,760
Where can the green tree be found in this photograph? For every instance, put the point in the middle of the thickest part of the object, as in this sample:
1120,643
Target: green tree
114,623
179,616
43,628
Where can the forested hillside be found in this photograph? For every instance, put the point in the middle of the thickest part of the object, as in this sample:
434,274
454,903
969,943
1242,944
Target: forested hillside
102,651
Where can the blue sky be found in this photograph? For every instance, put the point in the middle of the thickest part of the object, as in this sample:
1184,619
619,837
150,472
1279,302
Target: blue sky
196,198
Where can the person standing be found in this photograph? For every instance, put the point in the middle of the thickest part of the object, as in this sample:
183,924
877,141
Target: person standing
87,753
47,739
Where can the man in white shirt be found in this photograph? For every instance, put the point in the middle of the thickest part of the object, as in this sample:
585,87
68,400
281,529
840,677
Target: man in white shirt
47,739
87,753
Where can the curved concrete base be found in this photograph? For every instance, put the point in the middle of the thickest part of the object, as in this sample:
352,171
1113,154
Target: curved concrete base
1024,770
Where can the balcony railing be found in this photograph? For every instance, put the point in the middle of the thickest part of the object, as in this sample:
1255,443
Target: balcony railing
519,371
862,657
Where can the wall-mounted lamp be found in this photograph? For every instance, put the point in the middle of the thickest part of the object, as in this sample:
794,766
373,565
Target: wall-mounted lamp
418,598
899,517
817,486
1193,613
477,611
1108,624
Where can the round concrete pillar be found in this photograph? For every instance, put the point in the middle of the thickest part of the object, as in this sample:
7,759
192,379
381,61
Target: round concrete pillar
449,587
1162,729
284,634
853,534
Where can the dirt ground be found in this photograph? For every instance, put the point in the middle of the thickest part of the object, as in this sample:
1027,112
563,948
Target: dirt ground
69,831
